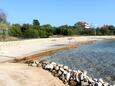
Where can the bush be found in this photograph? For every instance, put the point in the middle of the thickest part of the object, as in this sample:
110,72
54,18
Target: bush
42,34
31,33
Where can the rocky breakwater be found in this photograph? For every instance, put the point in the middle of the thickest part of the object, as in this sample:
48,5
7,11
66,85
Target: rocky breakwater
68,76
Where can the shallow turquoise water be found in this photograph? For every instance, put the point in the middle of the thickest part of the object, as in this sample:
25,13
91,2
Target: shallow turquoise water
97,58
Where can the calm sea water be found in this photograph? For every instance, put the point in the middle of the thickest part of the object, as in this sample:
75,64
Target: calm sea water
97,58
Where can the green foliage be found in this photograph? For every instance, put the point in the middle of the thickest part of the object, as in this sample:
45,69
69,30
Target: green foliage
42,34
4,27
15,30
28,31
48,29
36,24
36,31
31,33
80,24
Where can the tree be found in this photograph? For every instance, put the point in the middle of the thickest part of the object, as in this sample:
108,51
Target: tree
42,34
80,24
28,31
111,29
31,33
2,16
104,30
4,25
25,27
15,30
79,28
57,31
36,24
48,28
70,32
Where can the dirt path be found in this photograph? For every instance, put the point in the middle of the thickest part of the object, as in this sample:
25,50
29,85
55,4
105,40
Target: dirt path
13,74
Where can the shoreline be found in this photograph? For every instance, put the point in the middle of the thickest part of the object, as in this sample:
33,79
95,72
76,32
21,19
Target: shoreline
20,52
68,76
38,55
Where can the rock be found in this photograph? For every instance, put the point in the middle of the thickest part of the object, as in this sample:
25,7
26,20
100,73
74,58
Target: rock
62,77
35,61
106,84
66,68
85,74
60,73
56,68
90,80
72,83
69,70
53,63
43,65
34,65
77,78
49,67
68,76
39,65
44,62
56,75
29,63
60,65
72,77
95,79
97,84
84,83
61,69
81,76
101,80
79,71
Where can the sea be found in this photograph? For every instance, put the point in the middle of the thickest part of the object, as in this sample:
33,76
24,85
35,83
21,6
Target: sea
97,58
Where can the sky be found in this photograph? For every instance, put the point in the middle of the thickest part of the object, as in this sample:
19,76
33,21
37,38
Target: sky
60,12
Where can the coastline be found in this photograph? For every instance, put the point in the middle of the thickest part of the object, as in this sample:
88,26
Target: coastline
41,54
18,56
17,50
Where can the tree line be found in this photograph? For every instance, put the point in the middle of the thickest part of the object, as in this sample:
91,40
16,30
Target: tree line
35,30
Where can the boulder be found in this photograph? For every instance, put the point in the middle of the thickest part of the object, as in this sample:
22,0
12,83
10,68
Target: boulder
49,67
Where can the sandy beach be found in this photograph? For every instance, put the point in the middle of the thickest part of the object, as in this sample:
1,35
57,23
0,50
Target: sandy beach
16,74
23,75
19,49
